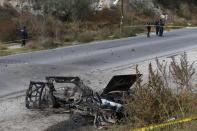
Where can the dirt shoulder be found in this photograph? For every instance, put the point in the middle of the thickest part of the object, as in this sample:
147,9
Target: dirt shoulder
15,116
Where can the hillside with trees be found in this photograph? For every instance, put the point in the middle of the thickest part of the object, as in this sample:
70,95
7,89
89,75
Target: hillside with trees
54,23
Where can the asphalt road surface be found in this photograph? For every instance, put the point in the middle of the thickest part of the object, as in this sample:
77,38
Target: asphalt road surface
17,70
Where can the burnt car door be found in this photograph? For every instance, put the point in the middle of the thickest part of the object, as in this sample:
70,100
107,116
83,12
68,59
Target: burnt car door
119,86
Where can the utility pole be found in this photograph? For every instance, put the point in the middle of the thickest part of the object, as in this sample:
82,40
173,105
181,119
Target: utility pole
121,17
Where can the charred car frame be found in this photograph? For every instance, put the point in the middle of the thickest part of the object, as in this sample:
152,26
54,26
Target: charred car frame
72,94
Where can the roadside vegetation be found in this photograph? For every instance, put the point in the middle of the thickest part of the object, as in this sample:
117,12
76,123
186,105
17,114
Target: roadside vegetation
183,8
71,22
167,94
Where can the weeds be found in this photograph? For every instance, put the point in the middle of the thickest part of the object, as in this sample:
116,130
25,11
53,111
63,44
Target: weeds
103,34
157,99
182,73
87,36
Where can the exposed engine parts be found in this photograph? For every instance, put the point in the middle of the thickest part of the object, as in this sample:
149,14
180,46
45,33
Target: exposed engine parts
72,94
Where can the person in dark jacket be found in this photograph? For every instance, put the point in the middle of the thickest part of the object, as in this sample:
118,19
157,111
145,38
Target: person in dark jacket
157,27
148,26
161,27
24,36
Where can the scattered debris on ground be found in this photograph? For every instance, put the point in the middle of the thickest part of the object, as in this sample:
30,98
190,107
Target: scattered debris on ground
72,95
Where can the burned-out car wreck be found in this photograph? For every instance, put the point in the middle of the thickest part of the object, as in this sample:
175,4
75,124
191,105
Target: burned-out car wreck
71,94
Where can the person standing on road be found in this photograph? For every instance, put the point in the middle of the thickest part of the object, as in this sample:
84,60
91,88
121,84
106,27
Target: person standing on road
148,26
157,27
24,36
161,27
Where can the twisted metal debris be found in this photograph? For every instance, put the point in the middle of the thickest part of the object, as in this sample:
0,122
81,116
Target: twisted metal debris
72,94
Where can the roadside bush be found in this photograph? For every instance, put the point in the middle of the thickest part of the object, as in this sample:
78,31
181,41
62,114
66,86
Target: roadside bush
8,30
182,73
72,31
34,45
54,29
39,26
48,43
87,36
7,12
157,100
156,105
67,10
43,43
116,34
103,34
106,17
68,38
184,11
128,32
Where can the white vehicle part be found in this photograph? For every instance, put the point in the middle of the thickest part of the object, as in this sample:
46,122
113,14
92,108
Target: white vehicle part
112,104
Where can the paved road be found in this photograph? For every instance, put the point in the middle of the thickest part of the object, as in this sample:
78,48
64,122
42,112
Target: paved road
17,70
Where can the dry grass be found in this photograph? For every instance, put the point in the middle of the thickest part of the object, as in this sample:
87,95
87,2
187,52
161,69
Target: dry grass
87,36
103,34
191,126
167,93
8,30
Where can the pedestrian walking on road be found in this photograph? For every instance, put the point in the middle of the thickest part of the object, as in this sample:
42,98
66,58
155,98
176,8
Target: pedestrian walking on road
24,36
148,26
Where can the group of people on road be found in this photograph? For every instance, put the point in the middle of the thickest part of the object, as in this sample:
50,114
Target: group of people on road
159,27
